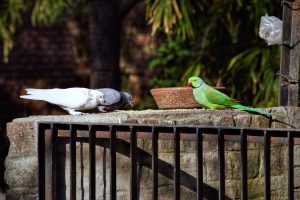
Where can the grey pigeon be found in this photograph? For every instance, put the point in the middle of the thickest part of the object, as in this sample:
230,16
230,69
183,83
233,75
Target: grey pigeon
114,100
70,99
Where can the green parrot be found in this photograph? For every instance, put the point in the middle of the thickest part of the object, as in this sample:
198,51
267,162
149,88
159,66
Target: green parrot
211,98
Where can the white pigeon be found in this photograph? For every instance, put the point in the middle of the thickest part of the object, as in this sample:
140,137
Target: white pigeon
70,99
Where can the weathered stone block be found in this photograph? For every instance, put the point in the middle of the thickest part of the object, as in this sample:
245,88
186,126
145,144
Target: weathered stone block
209,146
297,194
279,187
204,120
210,168
254,161
232,165
21,171
259,121
297,155
297,177
278,160
187,146
165,146
2,196
223,120
22,138
22,194
188,163
288,117
242,120
232,146
145,145
232,189
255,188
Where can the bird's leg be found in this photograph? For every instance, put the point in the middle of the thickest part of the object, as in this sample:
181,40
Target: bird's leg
72,111
102,109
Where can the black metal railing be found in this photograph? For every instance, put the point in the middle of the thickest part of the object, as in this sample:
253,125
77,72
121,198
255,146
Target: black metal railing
123,139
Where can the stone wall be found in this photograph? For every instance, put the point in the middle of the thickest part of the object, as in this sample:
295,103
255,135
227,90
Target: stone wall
22,160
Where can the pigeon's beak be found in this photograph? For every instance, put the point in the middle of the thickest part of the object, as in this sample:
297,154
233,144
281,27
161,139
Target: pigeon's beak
128,106
131,104
189,83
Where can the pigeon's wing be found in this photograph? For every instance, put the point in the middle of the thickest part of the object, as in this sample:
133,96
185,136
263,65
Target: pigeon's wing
70,98
110,96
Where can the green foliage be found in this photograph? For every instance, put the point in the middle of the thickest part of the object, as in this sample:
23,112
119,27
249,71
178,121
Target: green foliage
44,12
170,60
172,16
225,51
10,18
257,66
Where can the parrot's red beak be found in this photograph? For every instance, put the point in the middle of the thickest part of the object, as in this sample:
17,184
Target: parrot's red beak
189,83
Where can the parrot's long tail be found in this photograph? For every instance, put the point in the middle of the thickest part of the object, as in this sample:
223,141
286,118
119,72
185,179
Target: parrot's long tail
255,110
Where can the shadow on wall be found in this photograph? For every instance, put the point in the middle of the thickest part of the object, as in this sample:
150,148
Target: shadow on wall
8,108
4,147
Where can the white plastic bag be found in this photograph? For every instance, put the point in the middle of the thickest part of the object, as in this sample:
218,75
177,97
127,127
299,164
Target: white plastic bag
270,29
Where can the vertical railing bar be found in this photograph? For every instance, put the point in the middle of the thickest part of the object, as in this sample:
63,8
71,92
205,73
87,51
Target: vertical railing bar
154,164
54,159
92,164
176,169
54,133
41,161
104,173
81,171
133,164
267,187
113,181
290,166
73,136
199,154
50,163
244,163
221,158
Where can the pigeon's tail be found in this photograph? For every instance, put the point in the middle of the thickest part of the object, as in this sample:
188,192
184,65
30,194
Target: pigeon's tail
30,97
35,94
34,91
255,110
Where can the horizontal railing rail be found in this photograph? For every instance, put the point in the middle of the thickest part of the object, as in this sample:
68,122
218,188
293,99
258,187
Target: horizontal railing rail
123,139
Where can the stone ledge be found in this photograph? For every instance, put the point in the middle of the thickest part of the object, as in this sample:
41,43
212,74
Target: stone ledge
183,117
